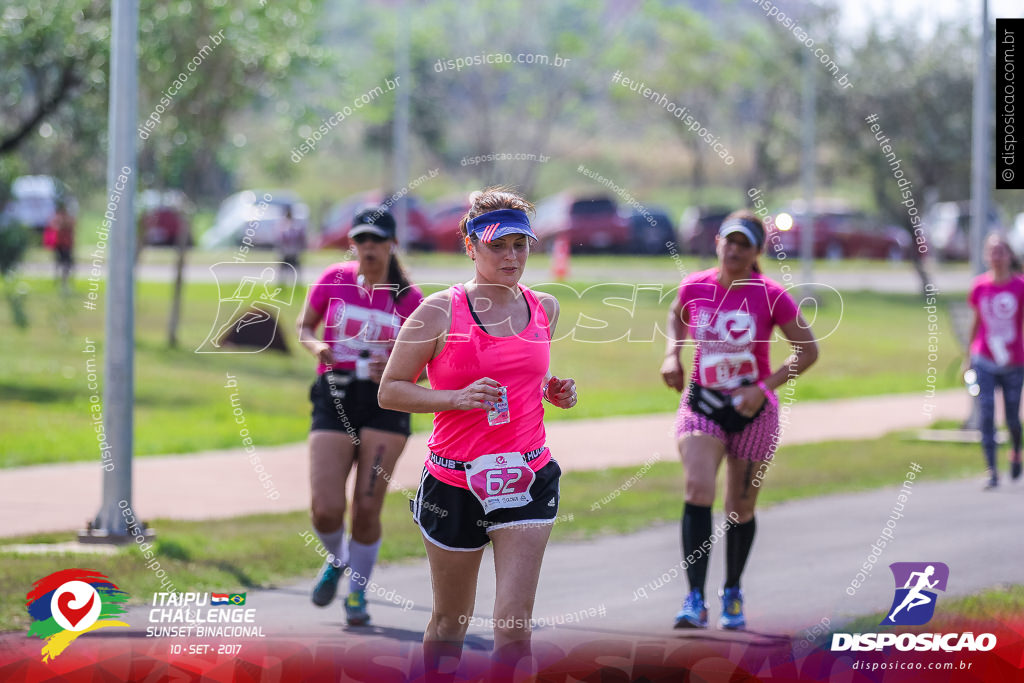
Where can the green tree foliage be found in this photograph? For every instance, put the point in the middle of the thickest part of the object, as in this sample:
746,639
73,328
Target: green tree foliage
476,108
263,46
53,85
54,82
920,91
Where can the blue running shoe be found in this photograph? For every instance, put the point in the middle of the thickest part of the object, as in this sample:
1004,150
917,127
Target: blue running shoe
694,613
326,586
355,609
732,609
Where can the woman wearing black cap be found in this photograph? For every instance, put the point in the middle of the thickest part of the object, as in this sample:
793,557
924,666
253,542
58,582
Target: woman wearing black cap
729,409
362,305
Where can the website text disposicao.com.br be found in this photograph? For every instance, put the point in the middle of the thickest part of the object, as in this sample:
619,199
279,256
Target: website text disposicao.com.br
460,63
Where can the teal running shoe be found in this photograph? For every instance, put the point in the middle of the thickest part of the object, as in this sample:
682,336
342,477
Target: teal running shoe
326,586
355,609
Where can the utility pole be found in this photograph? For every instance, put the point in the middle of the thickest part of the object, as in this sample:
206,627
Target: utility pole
807,173
110,525
981,154
400,129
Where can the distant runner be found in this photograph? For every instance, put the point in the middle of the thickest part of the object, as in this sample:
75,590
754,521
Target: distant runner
997,349
362,305
729,409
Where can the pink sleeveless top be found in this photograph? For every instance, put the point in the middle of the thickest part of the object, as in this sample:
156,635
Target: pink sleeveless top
518,362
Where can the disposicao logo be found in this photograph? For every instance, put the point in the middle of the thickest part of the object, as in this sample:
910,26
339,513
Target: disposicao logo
914,601
913,605
68,603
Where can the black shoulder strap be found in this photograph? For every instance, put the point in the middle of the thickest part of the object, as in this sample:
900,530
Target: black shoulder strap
529,311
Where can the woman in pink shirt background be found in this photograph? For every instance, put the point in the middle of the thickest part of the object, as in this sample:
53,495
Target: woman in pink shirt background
729,410
361,305
488,477
997,350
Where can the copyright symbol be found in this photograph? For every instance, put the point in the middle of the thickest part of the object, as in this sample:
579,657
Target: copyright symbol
1007,174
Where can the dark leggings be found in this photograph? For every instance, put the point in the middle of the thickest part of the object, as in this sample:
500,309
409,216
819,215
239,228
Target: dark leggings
1009,379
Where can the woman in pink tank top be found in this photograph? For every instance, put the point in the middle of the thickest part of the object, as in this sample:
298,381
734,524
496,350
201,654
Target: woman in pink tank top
488,476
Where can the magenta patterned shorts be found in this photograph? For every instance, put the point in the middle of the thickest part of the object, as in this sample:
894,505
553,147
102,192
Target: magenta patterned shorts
755,442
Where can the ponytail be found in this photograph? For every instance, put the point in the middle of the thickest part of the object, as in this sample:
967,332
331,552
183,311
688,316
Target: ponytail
397,276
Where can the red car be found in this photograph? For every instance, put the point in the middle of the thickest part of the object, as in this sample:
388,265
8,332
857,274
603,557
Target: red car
444,218
593,222
163,216
335,225
839,233
698,228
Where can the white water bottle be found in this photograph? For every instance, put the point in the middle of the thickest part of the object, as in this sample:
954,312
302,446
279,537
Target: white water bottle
363,365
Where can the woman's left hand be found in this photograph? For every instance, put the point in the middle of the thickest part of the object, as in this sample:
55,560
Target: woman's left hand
751,398
561,392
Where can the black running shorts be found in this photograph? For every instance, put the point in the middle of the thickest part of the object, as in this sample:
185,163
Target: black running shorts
342,403
452,518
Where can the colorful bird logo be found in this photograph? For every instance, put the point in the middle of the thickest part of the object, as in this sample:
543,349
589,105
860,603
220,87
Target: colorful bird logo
68,603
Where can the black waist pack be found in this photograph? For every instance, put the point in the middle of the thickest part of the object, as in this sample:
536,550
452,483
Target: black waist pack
718,406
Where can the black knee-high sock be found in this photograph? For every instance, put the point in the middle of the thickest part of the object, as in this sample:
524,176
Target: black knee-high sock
696,533
738,539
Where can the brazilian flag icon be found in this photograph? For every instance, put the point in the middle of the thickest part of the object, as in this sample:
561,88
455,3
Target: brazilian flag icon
236,598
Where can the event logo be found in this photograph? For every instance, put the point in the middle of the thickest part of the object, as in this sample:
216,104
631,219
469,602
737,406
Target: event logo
914,601
68,603
913,605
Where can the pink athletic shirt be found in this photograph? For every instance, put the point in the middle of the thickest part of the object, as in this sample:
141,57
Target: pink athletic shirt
733,327
356,318
519,363
999,319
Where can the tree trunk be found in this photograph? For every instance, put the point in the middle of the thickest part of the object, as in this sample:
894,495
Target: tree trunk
181,245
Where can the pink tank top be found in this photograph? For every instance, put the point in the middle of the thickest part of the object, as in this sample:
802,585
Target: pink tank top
518,362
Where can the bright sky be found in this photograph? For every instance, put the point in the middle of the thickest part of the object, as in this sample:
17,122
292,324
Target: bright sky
856,13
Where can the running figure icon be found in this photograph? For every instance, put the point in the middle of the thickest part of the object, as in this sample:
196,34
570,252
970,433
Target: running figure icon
915,597
254,299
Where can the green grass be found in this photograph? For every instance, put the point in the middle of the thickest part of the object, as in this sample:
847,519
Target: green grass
875,345
265,550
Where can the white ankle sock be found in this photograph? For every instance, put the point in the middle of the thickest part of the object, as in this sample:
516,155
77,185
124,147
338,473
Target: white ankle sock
362,557
334,544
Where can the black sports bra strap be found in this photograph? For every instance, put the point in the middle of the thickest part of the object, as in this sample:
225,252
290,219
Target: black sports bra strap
529,311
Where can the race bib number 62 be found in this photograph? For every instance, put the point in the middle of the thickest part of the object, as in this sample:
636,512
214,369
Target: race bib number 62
500,480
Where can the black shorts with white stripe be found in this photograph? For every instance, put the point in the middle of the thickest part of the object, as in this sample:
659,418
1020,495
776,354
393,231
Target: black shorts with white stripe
452,518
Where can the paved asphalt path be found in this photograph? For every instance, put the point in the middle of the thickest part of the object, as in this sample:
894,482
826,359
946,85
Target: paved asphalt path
805,555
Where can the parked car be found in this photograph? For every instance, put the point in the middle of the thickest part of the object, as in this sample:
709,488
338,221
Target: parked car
254,214
34,200
444,222
840,232
651,234
163,216
338,219
948,226
698,227
592,222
